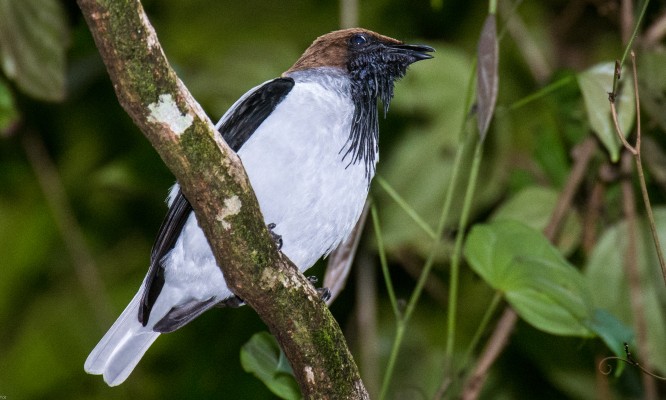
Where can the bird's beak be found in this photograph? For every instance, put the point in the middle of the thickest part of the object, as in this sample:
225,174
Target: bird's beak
417,51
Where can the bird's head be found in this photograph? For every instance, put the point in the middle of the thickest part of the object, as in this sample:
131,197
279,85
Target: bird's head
373,61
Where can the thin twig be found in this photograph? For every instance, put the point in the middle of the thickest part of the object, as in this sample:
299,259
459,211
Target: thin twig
383,262
618,130
591,217
569,79
457,255
582,154
636,151
629,360
629,45
641,176
632,272
414,267
493,349
490,311
402,203
602,385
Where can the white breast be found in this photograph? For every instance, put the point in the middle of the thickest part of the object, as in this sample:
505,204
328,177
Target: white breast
294,162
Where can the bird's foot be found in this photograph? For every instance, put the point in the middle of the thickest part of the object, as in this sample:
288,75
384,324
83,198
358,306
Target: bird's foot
324,293
231,302
276,238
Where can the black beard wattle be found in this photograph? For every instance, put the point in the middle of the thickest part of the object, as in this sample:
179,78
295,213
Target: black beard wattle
370,80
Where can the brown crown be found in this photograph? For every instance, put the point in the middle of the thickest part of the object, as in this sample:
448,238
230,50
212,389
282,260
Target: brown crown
332,49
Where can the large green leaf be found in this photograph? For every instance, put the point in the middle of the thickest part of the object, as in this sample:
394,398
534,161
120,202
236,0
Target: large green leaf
262,356
33,37
595,84
533,206
543,288
609,283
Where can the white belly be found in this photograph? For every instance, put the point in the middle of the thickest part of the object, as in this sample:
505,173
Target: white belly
294,162
296,169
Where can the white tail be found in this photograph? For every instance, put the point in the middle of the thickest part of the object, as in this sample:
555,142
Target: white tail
121,348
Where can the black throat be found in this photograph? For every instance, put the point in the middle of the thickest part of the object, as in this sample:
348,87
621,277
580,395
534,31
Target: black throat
372,76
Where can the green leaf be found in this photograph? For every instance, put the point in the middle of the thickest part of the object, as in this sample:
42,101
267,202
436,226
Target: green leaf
595,84
609,284
537,281
262,357
33,37
612,331
533,207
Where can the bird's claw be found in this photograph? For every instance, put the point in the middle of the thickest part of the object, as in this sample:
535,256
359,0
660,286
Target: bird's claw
231,302
276,238
324,293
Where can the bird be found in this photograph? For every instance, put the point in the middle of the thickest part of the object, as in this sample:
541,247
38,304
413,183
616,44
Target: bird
308,141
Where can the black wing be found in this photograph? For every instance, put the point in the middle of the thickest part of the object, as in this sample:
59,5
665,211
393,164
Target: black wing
166,238
253,110
241,123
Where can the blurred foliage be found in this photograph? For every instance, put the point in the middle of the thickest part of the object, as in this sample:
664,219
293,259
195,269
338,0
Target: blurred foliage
262,356
33,38
53,87
609,284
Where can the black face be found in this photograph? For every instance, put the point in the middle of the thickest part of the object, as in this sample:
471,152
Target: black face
374,65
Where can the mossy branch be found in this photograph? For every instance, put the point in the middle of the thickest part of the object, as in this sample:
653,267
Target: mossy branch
214,181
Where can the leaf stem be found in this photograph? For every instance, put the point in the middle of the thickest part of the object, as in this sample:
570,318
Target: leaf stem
641,176
494,303
542,92
382,260
631,41
457,252
409,210
636,152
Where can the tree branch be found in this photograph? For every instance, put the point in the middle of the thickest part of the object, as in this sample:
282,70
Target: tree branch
214,181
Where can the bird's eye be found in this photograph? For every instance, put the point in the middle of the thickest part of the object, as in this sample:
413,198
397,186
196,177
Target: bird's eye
358,40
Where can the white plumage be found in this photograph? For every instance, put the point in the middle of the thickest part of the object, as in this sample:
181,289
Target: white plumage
295,164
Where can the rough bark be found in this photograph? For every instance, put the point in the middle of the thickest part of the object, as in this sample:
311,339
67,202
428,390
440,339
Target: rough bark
213,180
